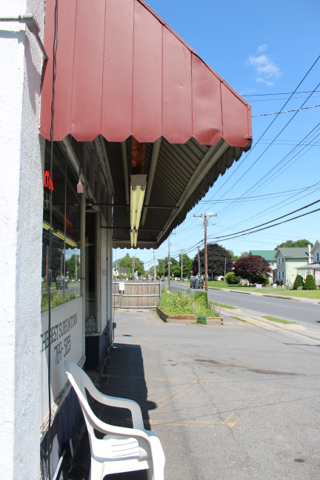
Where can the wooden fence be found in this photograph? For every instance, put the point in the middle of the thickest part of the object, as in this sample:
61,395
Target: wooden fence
137,294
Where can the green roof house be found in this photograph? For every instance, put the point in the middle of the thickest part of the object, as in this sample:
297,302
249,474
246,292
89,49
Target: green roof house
288,259
269,256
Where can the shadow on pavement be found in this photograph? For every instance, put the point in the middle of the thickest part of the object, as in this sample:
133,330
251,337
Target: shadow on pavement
122,376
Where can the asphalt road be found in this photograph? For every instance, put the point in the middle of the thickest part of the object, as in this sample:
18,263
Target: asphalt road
71,289
304,313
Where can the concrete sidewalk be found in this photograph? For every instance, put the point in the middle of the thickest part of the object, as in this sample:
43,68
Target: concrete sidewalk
237,401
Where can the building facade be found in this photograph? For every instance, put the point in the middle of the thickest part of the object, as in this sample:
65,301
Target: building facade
56,245
288,260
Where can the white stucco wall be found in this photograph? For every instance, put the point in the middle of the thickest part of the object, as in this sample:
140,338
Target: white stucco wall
20,243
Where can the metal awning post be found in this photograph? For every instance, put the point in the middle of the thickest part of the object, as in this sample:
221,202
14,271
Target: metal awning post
32,25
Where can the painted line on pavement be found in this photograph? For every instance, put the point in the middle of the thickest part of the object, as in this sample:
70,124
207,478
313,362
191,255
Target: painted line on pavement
234,418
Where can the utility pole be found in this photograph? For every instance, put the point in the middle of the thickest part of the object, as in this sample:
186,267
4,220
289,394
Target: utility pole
181,255
169,261
154,266
205,216
225,266
199,270
133,265
75,261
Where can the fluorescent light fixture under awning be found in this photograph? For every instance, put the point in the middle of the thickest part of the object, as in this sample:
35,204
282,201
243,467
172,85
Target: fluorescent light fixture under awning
60,235
133,238
138,185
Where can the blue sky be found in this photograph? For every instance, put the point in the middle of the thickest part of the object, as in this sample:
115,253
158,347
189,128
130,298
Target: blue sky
263,49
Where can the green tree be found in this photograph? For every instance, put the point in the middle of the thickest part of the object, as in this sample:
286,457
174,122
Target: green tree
186,266
127,262
71,266
234,257
243,255
295,244
218,258
162,268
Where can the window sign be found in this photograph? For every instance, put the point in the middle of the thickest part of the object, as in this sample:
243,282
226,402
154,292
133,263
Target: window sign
47,182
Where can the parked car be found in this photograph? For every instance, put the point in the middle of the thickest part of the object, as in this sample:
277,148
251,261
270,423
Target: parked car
61,283
196,282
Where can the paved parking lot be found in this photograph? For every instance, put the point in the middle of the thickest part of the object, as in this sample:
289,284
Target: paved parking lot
228,402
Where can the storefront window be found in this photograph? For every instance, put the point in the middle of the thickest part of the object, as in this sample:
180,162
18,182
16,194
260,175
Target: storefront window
65,238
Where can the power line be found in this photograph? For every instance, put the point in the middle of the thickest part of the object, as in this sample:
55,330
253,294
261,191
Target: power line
268,210
252,165
275,219
275,172
286,111
274,94
252,149
255,197
270,226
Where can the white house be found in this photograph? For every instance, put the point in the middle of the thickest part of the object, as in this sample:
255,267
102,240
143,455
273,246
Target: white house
313,265
288,260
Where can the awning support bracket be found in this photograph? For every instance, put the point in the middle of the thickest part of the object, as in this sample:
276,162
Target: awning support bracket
33,27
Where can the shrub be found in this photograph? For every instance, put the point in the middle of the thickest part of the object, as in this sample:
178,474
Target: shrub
232,279
297,282
251,267
201,296
309,284
201,319
264,280
182,302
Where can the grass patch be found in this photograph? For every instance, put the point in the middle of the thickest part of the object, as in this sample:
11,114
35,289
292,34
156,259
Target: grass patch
279,320
241,320
181,304
273,291
56,299
299,293
224,306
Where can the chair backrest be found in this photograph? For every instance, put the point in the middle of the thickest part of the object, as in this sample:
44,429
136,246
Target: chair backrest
81,382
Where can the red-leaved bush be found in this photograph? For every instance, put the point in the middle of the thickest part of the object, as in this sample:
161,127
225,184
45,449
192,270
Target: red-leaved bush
252,268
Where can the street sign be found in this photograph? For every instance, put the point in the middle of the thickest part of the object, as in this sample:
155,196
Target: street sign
121,286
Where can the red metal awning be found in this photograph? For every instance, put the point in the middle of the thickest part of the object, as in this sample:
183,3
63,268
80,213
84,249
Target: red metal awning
122,71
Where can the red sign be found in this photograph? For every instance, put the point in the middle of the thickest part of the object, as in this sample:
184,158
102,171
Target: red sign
69,224
47,183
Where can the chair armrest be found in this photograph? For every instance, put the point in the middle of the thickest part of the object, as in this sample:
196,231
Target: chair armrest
131,405
111,429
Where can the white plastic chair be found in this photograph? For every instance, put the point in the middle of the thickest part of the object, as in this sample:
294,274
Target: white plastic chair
121,449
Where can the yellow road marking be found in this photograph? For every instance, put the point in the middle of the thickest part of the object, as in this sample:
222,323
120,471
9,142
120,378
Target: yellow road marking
185,386
177,396
236,416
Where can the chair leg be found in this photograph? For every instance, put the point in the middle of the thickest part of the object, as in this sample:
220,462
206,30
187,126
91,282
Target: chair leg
96,470
150,473
157,473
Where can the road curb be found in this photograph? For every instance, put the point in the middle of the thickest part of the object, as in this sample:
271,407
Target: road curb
279,296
